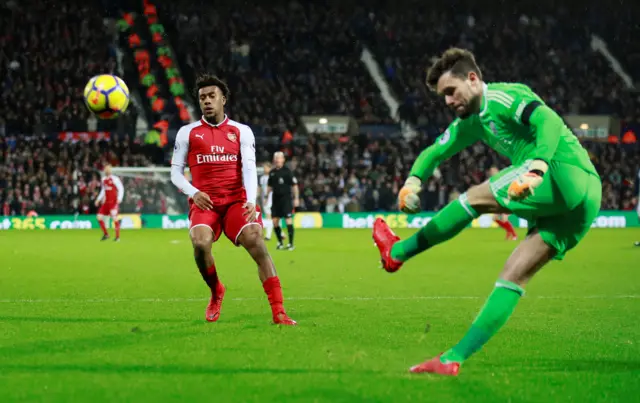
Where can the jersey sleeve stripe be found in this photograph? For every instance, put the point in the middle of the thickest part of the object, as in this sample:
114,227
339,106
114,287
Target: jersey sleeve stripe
501,101
501,94
519,111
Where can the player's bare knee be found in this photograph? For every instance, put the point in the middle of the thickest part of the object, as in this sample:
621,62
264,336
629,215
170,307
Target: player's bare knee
251,237
201,246
201,242
482,199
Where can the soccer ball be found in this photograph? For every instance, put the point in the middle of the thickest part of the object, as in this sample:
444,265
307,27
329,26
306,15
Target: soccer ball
107,96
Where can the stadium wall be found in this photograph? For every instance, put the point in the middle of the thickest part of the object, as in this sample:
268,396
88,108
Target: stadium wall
606,219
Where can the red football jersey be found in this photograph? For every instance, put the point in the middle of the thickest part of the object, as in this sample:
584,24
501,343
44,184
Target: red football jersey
214,154
112,190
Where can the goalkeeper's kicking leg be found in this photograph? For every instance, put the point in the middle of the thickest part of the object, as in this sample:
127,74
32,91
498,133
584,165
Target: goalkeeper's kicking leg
443,226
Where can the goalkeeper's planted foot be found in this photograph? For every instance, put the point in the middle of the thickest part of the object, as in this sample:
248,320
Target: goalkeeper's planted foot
436,366
105,238
385,239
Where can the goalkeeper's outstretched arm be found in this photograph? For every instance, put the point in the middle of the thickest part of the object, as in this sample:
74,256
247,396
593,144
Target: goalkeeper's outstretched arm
452,141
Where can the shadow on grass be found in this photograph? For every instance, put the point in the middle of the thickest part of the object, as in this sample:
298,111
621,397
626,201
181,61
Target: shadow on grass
101,342
168,369
246,320
92,320
567,365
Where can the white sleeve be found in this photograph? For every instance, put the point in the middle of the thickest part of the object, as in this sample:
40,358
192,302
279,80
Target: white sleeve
118,183
179,162
248,155
101,194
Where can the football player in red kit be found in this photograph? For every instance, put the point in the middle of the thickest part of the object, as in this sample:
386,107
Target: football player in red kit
109,199
221,157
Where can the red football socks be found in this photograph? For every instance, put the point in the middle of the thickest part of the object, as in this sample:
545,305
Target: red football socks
116,224
104,227
507,226
274,293
212,278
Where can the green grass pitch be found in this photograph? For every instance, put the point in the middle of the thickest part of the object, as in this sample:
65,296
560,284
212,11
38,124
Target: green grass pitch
85,321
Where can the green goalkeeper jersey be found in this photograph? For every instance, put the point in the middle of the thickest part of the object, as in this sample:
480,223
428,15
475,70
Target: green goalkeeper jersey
516,123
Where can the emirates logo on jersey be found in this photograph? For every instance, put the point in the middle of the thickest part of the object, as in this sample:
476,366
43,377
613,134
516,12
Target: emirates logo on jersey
217,155
232,136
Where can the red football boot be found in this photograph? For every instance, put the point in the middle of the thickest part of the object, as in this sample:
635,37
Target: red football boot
282,318
385,239
212,313
435,366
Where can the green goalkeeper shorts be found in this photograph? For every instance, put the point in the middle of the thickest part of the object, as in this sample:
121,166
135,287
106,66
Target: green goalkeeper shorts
562,208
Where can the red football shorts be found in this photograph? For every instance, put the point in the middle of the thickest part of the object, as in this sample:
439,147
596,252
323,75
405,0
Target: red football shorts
227,218
108,209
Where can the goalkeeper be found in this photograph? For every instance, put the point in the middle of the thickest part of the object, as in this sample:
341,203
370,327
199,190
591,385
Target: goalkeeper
552,184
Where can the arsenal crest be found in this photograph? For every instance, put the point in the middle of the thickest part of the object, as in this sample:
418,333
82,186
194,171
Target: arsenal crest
232,136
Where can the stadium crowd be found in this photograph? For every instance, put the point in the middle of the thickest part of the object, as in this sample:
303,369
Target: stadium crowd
48,176
48,51
550,52
294,58
280,60
283,61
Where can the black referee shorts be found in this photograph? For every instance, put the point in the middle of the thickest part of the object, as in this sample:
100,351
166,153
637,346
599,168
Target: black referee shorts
282,209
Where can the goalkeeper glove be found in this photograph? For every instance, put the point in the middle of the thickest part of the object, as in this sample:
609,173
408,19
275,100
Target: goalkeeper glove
526,184
408,199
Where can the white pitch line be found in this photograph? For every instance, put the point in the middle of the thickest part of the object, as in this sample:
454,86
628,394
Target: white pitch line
414,298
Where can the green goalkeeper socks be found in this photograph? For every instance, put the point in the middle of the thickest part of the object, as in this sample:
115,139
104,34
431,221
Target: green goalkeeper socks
443,226
493,315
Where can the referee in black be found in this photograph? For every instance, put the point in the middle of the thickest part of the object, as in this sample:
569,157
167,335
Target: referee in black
284,186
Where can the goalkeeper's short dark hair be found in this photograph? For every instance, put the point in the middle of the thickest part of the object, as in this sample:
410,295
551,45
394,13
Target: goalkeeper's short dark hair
207,80
460,62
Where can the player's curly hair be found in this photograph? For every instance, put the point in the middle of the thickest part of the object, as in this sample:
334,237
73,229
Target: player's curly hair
207,80
458,61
